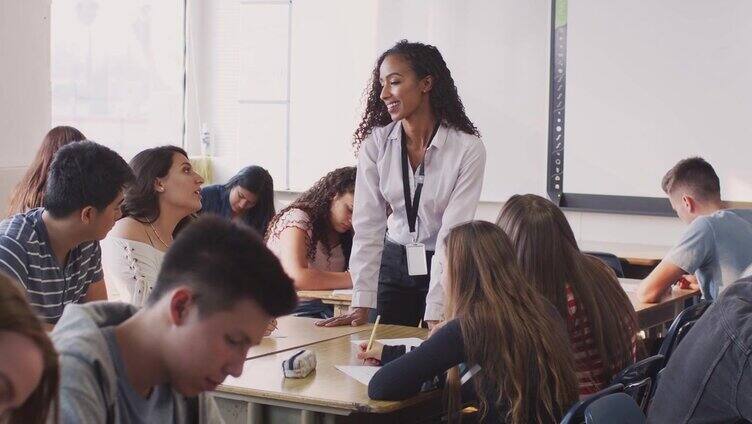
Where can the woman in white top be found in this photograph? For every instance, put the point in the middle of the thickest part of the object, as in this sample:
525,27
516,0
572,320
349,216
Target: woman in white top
313,236
166,192
421,157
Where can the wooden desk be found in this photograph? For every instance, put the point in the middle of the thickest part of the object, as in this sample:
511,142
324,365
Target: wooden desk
341,302
262,394
634,254
294,332
649,315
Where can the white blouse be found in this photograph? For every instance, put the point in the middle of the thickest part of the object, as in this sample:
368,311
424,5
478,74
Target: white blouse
454,165
130,269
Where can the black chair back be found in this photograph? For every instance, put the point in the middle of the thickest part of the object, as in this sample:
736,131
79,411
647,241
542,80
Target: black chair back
639,380
611,260
680,327
617,408
576,414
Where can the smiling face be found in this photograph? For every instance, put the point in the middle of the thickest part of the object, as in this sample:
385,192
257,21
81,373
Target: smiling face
242,200
20,370
181,187
340,212
402,92
214,346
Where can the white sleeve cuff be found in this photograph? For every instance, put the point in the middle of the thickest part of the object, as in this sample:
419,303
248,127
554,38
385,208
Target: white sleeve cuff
363,299
434,312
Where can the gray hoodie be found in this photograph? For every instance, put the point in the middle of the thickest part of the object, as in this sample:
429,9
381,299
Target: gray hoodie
88,381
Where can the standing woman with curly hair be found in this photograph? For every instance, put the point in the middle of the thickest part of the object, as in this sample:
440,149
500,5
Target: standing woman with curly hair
421,157
312,238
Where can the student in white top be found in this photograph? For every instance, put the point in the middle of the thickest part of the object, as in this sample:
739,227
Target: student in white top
312,237
166,192
420,158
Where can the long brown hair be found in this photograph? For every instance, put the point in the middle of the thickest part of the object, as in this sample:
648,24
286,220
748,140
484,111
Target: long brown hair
29,192
17,316
507,329
317,203
548,254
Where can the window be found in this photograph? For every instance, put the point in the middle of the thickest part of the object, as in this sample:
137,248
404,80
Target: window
117,71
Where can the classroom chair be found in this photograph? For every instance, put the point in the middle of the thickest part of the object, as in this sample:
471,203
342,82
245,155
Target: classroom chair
680,327
576,413
617,408
639,380
611,260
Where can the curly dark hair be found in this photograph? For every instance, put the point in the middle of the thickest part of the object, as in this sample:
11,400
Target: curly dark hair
424,60
317,202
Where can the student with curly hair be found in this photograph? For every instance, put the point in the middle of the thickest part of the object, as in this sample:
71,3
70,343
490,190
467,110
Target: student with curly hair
29,370
313,235
421,157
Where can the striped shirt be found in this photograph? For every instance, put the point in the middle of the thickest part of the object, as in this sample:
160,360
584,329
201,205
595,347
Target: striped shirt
587,360
26,255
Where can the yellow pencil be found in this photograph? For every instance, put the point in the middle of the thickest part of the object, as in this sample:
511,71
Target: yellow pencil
373,333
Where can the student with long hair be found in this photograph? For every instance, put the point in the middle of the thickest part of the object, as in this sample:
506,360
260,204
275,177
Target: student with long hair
497,321
313,236
29,372
421,157
248,196
166,192
601,321
29,192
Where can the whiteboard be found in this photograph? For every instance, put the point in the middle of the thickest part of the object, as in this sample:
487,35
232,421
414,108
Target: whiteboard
497,52
652,82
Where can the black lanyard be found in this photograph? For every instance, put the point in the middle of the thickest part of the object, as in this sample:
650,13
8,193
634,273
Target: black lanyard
411,205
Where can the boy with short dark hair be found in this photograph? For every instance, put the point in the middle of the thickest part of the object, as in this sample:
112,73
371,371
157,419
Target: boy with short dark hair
53,252
217,290
717,245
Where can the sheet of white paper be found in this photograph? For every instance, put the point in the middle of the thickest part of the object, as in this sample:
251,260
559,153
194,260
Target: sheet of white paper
342,292
410,342
362,373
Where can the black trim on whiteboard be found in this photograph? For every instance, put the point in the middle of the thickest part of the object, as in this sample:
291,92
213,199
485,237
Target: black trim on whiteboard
556,139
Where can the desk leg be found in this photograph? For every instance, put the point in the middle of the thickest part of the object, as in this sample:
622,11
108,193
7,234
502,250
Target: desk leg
255,413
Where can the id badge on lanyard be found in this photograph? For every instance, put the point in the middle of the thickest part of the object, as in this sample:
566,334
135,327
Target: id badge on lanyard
415,251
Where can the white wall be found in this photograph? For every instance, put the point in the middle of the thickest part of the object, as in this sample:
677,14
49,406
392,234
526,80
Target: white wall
25,101
25,105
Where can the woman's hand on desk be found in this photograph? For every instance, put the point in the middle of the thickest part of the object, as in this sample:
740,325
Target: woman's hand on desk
354,317
373,356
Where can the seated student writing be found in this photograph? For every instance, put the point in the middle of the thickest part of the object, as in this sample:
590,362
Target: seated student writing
165,194
601,321
218,288
29,192
29,366
54,251
495,320
312,238
248,196
708,378
717,245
